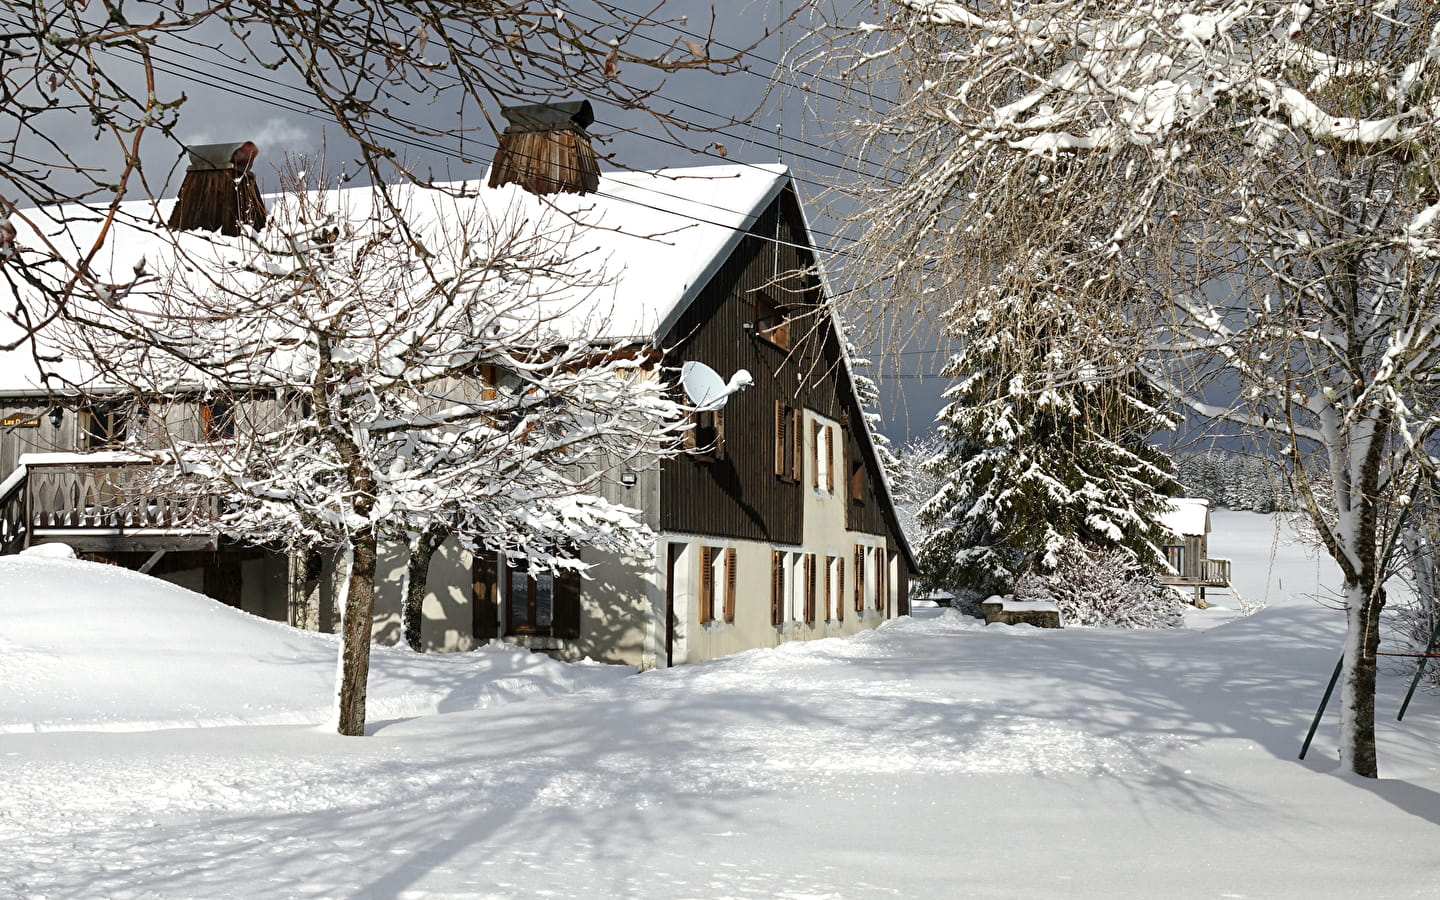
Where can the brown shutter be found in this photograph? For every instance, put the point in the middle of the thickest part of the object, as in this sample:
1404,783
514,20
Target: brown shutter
565,614
719,451
797,442
730,584
707,583
840,589
810,588
690,437
781,420
829,586
859,578
777,587
484,574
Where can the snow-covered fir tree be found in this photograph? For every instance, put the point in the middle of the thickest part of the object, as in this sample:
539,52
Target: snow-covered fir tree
1042,446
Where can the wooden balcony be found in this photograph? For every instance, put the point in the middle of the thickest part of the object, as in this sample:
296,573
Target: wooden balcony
101,504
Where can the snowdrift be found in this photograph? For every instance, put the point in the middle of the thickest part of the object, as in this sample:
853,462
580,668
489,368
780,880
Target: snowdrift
90,647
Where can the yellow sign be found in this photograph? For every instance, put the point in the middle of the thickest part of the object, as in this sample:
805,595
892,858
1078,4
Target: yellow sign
18,420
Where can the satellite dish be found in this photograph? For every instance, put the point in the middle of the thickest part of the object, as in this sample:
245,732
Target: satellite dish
705,389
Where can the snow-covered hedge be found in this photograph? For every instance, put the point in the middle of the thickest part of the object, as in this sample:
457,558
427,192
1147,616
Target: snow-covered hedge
1104,588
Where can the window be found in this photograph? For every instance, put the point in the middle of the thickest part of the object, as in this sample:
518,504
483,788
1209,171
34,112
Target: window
839,588
705,439
777,588
525,602
771,320
857,481
810,579
717,584
1175,556
530,599
882,584
103,425
822,454
834,577
788,438
217,420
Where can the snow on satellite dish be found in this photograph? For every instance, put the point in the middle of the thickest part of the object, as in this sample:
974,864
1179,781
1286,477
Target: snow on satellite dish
704,387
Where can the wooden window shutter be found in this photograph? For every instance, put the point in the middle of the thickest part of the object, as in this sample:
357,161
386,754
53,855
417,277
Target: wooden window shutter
797,442
830,458
782,422
810,588
777,587
719,451
840,589
485,599
859,578
880,579
815,454
730,556
487,381
707,583
829,587
565,614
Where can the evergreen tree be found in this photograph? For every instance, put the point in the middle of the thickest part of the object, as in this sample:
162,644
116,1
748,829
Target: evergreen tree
1042,445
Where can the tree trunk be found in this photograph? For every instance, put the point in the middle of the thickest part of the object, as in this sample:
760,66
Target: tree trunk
355,637
1357,690
422,549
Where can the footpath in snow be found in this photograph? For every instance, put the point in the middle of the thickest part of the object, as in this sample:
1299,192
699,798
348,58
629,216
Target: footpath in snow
935,757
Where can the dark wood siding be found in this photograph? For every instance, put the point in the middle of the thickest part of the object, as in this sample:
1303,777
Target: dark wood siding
739,495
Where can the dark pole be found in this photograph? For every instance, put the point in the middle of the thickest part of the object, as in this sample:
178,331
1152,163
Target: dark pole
1419,671
1305,747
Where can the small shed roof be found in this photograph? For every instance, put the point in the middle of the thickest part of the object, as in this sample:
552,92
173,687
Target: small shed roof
1187,517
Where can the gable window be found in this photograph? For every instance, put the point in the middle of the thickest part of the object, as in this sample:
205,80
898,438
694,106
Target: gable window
772,322
705,439
788,439
717,584
857,481
822,456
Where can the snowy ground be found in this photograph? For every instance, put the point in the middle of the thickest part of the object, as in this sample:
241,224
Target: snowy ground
934,758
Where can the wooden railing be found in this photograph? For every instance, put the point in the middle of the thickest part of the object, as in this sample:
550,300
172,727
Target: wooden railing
67,494
14,523
1216,572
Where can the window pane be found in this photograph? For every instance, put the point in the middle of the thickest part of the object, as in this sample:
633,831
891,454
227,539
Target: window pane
544,599
519,598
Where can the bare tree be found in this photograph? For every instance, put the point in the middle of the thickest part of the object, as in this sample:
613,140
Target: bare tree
90,92
393,365
1263,169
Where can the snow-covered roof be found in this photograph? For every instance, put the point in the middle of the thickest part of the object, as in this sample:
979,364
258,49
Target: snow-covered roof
653,239
1187,516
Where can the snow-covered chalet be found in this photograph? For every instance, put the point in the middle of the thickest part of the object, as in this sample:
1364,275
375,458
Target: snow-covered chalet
776,526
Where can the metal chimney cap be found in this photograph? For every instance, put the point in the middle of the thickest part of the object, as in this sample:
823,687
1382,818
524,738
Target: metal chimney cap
549,116
213,157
